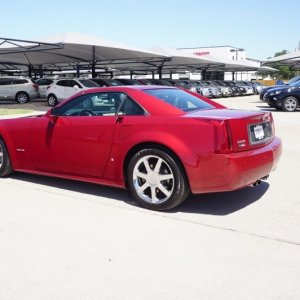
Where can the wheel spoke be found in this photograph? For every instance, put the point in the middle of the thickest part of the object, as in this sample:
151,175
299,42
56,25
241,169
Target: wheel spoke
153,194
164,190
146,164
142,188
158,165
140,175
166,177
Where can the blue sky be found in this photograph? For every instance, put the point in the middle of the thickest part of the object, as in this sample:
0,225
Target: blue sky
260,27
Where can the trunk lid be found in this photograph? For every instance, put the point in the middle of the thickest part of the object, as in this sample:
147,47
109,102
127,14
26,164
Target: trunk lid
244,129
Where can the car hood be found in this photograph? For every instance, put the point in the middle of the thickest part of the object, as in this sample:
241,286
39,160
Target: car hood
281,88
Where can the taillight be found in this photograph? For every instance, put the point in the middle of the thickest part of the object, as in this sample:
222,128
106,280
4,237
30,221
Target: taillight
35,86
223,136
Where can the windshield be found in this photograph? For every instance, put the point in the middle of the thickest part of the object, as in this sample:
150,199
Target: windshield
294,79
180,99
88,83
297,83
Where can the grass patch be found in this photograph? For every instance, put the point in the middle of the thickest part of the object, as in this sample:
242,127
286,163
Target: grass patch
6,112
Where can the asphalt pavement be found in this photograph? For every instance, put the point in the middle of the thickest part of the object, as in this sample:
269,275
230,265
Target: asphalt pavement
61,239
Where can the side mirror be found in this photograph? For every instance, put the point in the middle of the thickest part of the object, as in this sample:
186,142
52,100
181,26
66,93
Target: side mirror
54,112
76,87
53,115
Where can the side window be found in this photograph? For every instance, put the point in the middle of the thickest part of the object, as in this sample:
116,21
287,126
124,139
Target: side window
19,81
73,83
96,104
62,83
5,81
43,82
130,108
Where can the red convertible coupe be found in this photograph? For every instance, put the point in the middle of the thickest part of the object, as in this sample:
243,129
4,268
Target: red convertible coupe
159,142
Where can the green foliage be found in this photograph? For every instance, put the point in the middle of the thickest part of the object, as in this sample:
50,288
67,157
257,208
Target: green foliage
284,73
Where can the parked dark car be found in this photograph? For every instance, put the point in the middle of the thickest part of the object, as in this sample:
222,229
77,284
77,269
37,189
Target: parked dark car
106,82
125,81
240,90
285,97
291,81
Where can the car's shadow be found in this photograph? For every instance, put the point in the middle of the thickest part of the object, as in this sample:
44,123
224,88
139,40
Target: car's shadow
223,203
213,204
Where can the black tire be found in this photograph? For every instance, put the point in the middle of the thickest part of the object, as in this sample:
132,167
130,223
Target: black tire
52,100
163,180
5,165
22,97
290,104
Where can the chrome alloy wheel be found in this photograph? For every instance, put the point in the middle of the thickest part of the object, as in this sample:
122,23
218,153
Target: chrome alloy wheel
153,179
1,156
22,98
290,104
52,100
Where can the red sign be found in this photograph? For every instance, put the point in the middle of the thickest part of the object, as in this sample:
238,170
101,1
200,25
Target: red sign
200,53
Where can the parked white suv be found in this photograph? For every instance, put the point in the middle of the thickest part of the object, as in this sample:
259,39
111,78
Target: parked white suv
63,88
20,89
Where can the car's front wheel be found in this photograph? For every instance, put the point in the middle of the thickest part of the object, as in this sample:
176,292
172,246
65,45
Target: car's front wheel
290,104
52,100
156,179
22,97
5,165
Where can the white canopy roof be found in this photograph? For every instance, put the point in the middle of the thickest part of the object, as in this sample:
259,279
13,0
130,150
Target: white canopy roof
76,48
291,59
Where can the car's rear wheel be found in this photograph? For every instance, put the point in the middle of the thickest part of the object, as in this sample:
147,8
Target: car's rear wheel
156,179
52,100
290,104
22,97
5,165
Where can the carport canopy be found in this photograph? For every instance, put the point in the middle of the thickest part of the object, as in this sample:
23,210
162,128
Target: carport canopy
290,59
74,50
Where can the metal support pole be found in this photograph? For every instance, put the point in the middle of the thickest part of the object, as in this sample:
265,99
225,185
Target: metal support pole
94,74
159,71
29,71
41,73
77,71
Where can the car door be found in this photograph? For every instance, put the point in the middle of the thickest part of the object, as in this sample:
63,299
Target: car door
72,88
75,139
59,88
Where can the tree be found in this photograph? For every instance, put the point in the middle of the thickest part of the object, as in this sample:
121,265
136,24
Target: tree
283,73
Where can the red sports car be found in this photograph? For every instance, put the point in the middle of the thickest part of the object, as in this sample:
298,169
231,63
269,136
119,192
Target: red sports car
159,142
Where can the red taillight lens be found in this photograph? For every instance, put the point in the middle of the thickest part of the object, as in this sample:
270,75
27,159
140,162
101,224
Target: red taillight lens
35,86
223,137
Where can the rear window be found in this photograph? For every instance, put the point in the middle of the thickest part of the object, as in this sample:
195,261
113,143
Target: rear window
180,99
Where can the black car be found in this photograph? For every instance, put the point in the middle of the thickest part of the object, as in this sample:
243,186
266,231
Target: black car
106,82
285,97
266,89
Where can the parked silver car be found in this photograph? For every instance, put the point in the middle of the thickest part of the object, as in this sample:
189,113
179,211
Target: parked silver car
19,89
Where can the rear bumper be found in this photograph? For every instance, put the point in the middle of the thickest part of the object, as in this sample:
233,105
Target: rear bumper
227,172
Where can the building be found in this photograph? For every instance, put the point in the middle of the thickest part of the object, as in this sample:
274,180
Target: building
227,53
